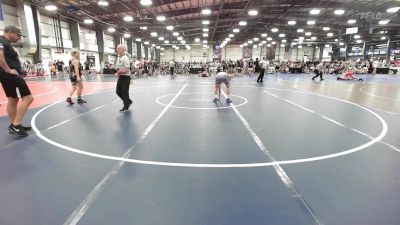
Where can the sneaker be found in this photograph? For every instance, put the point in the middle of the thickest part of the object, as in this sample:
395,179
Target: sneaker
81,101
215,100
229,101
27,128
69,100
124,109
17,130
129,105
322,79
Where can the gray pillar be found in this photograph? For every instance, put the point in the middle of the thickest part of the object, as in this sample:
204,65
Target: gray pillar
173,52
313,52
25,14
321,53
146,51
138,49
364,50
37,57
129,44
117,41
389,46
74,33
347,52
100,44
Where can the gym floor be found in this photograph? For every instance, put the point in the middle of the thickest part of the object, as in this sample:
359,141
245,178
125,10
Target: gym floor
290,151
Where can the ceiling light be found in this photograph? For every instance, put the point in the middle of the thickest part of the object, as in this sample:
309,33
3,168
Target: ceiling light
158,47
205,42
301,38
206,11
253,12
336,40
205,46
111,29
143,28
176,47
128,18
264,42
231,35
351,21
282,35
127,35
326,28
264,35
254,46
170,27
161,18
241,46
274,42
383,38
228,39
245,44
256,39
145,2
269,38
327,46
88,21
197,39
102,3
357,36
138,39
236,30
183,42
308,33
166,42
50,7
315,11
206,22
242,23
274,30
175,34
291,22
187,47
161,38
250,42
153,45
153,34
300,30
384,22
284,41
359,41
162,49
341,43
146,42
179,38
329,34
339,12
300,46
282,45
206,29
269,45
260,44
311,22
313,38
205,35
393,10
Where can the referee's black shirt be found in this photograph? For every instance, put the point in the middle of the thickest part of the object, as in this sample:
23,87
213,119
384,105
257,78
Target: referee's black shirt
10,55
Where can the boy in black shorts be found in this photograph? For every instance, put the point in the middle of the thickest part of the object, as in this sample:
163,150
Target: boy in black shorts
10,78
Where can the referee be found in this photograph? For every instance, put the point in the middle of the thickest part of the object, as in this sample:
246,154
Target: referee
11,80
124,78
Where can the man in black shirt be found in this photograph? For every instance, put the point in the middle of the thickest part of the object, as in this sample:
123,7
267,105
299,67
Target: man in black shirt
10,78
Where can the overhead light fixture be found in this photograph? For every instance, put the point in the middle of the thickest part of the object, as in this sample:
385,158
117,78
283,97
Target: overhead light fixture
269,45
311,22
269,38
205,35
183,42
336,40
143,28
359,41
161,18
188,47
153,34
206,22
383,38
176,47
162,49
127,35
236,30
341,43
282,45
256,39
291,22
166,42
327,46
308,33
161,38
339,12
231,35
282,35
170,27
300,30
241,46
197,39
254,46
205,42
206,12
153,45
274,30
313,38
301,38
284,41
138,39
245,44
205,46
264,42
50,7
260,44
179,38
146,2
227,39
158,47
128,18
351,21
393,10
206,29
326,28
357,36
88,21
242,23
253,12
146,42
264,35
300,46
383,22
274,42
315,11
111,29
329,34
175,34
250,42
102,3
